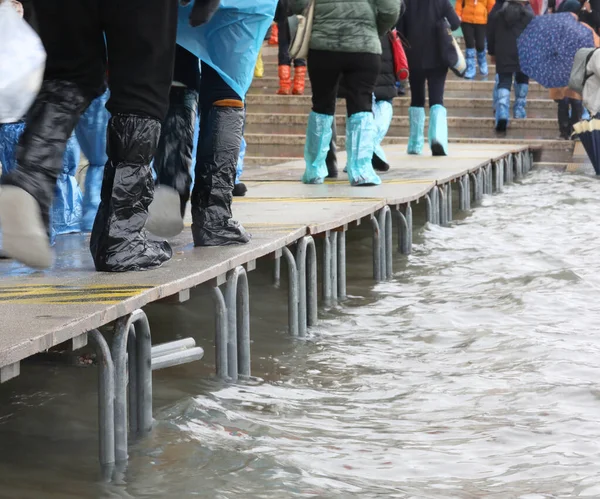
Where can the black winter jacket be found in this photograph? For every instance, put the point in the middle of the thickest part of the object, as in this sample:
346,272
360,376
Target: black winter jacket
385,87
418,25
505,25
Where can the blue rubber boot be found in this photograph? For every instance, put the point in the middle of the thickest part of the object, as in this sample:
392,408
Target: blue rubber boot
482,63
360,141
318,138
9,138
416,138
519,109
438,130
495,95
470,59
502,109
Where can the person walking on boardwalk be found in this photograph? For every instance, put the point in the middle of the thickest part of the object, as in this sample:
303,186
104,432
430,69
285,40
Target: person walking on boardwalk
345,43
287,86
504,28
419,26
474,17
138,38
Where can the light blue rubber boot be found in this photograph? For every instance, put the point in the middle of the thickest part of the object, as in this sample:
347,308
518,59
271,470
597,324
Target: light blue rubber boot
318,137
470,59
502,109
416,138
438,130
360,141
519,109
482,63
383,112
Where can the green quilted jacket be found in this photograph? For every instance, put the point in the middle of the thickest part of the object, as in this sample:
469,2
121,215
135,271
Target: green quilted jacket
350,25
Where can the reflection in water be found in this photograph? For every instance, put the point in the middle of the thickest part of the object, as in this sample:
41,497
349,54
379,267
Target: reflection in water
474,373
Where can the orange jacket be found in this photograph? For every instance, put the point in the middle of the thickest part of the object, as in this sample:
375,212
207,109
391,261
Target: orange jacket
474,11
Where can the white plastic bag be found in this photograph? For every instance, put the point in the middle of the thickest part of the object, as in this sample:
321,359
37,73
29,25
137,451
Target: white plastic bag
22,61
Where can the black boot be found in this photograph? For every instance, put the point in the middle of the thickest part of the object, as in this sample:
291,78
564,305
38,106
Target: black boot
28,190
218,149
173,162
379,164
119,242
331,159
564,120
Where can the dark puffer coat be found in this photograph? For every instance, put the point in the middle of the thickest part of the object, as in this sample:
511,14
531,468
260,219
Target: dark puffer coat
505,25
418,25
385,87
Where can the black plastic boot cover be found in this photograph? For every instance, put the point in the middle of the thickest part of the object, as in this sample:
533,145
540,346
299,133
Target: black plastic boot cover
49,124
173,158
218,149
331,159
119,242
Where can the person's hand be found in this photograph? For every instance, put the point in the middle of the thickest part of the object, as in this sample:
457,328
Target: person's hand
587,7
202,11
18,7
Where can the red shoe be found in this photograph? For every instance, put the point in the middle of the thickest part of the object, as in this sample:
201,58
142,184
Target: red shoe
299,78
285,80
274,40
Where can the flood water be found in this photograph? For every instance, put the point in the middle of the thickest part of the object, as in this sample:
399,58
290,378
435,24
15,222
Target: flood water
474,373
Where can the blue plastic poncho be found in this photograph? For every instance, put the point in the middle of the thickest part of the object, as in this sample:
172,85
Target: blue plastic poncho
67,207
231,40
91,134
240,164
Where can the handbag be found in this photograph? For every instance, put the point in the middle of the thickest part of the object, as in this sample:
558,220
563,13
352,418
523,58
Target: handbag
399,56
301,40
450,52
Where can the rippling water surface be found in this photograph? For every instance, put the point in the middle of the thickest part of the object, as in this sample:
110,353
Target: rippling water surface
474,373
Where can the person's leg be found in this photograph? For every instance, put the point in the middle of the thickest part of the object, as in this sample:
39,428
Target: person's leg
360,72
221,130
503,101
521,91
479,31
383,111
71,33
576,113
564,123
470,53
173,159
299,76
324,71
140,37
285,69
331,159
438,121
416,112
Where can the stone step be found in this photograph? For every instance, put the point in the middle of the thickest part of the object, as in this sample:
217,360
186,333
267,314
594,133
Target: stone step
292,146
457,107
451,84
534,128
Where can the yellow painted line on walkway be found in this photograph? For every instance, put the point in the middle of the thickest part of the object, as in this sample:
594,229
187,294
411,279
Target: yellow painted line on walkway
64,294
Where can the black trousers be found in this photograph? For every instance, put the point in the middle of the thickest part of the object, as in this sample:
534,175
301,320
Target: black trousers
284,44
140,45
474,35
360,70
435,80
505,79
569,113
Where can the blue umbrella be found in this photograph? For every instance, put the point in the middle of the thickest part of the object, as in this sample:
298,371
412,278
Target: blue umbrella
589,134
548,46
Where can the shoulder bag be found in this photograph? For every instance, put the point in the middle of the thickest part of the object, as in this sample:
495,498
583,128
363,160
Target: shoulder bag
301,38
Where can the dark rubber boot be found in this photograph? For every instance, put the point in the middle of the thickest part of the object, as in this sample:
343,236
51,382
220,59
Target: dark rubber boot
379,164
28,190
331,160
218,149
172,164
119,242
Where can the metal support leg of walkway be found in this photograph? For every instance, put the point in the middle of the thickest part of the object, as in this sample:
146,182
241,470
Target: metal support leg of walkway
464,193
237,299
443,206
405,224
341,263
448,194
306,261
106,399
143,368
384,220
293,292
